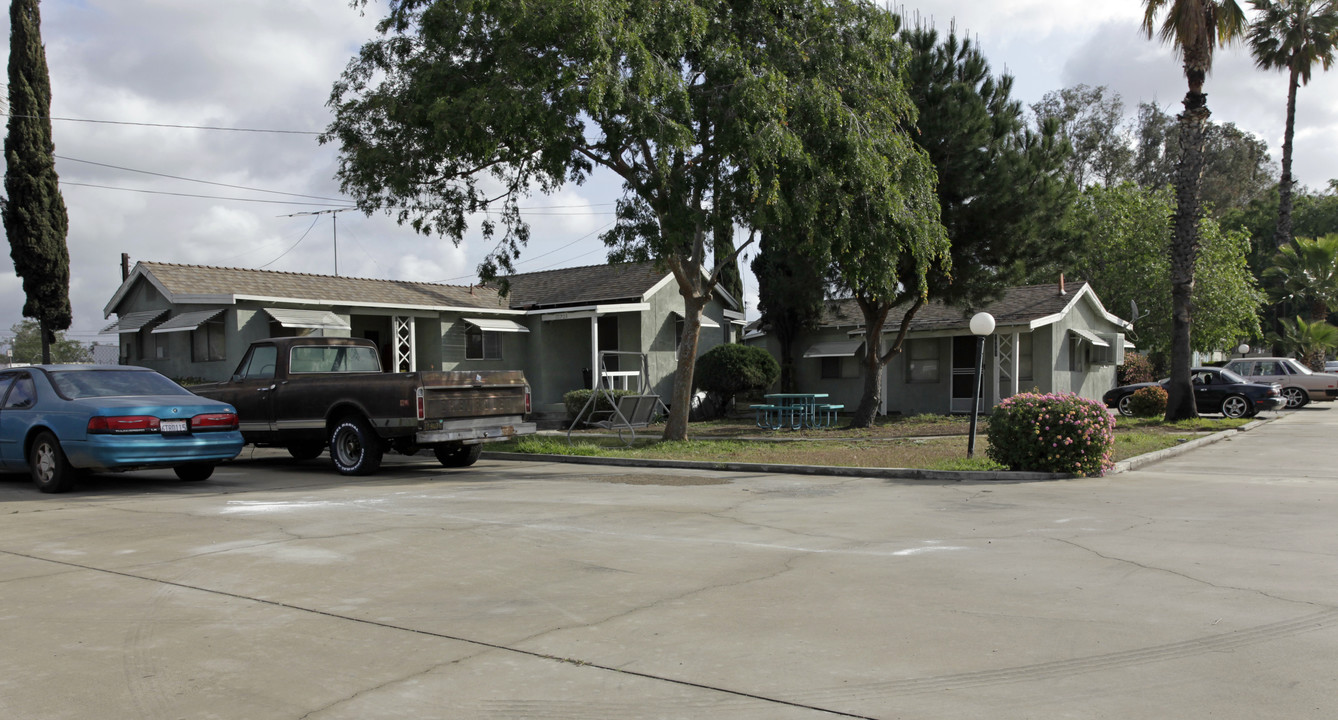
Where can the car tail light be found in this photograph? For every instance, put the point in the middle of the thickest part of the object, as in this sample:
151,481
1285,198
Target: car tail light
422,404
527,399
215,421
122,424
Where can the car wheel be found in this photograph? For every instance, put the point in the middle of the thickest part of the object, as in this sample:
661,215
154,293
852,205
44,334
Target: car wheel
355,448
1236,406
309,451
1295,397
1126,405
194,472
51,470
458,455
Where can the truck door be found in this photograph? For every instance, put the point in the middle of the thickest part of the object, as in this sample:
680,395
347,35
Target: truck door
253,392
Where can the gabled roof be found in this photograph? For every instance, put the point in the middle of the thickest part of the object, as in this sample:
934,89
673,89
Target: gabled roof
589,285
198,284
1029,306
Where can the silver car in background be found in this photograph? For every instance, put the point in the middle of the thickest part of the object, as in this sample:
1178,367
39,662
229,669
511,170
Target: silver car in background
1300,384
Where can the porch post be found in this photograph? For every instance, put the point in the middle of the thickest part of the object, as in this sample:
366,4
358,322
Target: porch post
406,355
1015,365
595,379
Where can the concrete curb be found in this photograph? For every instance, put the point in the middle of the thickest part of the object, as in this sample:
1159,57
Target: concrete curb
1132,463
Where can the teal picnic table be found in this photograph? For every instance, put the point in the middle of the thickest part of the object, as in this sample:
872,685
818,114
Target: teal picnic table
796,411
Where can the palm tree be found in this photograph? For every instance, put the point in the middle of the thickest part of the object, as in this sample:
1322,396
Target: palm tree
1194,28
1309,341
1292,35
1307,275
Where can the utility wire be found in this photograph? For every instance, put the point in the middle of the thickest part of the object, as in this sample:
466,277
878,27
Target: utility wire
202,182
166,125
190,195
294,245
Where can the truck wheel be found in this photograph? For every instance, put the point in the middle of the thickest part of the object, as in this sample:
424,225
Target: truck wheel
51,470
355,448
458,455
306,451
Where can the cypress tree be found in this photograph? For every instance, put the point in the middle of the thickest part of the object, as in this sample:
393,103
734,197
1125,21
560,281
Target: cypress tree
34,212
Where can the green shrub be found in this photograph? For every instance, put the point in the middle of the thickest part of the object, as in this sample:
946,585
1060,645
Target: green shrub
576,399
1148,402
731,369
1136,369
1059,433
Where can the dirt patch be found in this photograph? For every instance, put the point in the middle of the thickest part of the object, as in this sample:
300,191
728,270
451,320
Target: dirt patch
645,479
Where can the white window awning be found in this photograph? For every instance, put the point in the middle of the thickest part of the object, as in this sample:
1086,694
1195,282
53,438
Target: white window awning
187,321
1090,337
133,322
706,321
322,319
497,325
842,348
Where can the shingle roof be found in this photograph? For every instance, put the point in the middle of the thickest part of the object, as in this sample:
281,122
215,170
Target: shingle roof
1018,306
331,289
626,282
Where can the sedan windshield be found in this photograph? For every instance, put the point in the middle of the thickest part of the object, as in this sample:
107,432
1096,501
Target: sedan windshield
75,384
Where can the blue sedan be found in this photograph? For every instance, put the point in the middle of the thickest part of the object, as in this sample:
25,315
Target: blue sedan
57,421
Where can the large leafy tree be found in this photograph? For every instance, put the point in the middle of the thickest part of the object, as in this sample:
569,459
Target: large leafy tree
464,107
790,291
1124,239
1194,28
1092,120
1002,196
1237,169
1292,35
34,212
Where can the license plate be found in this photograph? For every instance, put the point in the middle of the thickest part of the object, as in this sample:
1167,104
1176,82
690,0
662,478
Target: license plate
172,426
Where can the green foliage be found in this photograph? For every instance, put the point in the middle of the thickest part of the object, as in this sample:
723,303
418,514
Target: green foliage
576,399
1304,274
26,347
1309,341
1137,368
1148,402
34,212
733,368
1060,433
1125,255
712,114
790,288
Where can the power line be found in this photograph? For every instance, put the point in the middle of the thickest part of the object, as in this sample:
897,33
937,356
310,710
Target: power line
191,195
167,125
202,182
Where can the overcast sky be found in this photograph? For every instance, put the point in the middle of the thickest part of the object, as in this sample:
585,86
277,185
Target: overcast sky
124,65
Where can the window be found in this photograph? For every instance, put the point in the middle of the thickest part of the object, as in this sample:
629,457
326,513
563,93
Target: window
1024,357
922,361
259,363
22,395
482,345
207,342
161,344
836,368
340,359
1077,354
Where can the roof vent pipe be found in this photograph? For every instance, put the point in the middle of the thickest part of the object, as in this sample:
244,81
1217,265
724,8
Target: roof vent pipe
1061,284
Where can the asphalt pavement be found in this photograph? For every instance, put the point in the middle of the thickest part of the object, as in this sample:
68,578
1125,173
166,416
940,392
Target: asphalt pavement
1200,586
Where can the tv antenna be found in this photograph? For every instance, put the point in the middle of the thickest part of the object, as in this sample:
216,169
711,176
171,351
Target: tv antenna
334,227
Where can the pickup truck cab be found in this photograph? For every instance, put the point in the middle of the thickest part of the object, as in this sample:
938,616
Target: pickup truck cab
309,393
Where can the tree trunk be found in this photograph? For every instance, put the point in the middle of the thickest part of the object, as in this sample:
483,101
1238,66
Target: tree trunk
875,316
1184,252
45,332
680,405
1283,234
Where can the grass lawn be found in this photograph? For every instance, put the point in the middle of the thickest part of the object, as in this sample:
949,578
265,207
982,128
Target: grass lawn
932,442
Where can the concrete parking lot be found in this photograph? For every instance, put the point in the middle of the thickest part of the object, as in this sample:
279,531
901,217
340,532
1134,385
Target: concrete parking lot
1202,586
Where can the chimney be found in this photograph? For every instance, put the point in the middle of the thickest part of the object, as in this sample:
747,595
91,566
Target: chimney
125,266
1061,284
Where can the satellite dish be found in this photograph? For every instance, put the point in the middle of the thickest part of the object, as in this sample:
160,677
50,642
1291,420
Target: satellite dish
1133,312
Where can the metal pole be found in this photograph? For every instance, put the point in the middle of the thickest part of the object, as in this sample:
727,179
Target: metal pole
975,396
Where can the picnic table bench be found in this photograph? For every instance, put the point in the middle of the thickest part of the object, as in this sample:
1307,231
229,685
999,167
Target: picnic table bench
796,411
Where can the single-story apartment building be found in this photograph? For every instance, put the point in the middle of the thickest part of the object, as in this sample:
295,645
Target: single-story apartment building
1049,338
195,322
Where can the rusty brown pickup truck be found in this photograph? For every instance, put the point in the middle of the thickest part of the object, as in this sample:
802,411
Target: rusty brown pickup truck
309,393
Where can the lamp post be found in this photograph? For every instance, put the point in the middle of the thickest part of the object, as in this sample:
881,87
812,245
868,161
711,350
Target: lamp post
982,324
1244,349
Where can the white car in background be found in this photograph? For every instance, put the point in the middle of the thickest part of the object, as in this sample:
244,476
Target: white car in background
1299,383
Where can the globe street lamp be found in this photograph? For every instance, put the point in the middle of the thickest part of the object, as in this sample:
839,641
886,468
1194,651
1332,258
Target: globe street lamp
982,324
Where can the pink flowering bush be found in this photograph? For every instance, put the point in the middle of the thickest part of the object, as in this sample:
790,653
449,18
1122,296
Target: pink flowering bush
1059,433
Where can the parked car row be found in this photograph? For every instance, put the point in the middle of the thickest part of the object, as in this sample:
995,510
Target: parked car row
1300,384
1216,390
